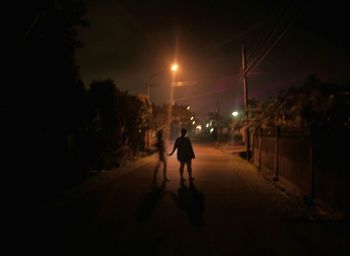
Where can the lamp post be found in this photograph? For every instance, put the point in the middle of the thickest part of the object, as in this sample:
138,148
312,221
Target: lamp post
174,69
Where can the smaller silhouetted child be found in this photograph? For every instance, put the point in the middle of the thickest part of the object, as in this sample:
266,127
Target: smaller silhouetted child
185,154
162,159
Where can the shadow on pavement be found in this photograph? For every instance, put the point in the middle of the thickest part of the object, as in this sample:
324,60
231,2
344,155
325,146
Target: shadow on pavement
149,201
191,200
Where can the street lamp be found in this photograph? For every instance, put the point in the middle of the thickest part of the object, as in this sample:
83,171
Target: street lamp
235,113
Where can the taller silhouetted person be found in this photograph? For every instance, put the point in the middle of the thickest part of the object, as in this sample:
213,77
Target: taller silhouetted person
185,154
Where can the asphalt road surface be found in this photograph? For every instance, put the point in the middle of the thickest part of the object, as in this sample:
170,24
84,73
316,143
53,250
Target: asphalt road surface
228,210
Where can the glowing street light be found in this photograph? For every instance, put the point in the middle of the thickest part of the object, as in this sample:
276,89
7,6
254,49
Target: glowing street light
192,117
188,107
207,125
194,122
174,67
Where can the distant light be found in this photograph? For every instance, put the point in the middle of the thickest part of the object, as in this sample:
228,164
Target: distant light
193,122
235,113
199,127
211,130
188,107
192,117
207,125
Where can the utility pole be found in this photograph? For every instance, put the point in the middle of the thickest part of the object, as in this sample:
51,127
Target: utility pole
245,89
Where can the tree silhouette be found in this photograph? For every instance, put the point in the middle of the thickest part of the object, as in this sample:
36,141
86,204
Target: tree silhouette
45,105
118,124
314,105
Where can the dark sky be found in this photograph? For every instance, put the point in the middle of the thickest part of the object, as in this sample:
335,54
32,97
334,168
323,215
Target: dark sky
130,40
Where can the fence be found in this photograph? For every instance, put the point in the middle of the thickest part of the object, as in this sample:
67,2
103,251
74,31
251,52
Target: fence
313,162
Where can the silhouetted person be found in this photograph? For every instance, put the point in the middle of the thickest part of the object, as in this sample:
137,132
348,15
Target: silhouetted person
185,154
161,152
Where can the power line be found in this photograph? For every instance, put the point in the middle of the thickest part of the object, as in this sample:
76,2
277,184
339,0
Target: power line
254,61
266,37
222,42
261,47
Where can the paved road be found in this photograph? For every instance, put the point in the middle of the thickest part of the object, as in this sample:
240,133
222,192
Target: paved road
230,210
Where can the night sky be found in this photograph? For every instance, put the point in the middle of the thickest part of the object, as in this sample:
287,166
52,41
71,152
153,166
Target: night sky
130,40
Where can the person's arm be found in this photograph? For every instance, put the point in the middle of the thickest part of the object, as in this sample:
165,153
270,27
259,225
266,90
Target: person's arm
175,147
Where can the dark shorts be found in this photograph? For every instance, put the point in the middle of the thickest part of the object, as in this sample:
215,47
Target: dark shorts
185,160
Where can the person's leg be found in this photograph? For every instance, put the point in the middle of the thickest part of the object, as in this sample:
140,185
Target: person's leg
155,174
164,170
189,169
182,166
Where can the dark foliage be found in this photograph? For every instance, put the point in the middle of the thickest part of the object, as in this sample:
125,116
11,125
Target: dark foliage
315,105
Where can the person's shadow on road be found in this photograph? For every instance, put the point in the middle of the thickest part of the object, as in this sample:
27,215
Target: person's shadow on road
191,200
149,201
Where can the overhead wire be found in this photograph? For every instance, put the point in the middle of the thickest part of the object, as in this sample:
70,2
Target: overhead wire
266,37
252,65
262,46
